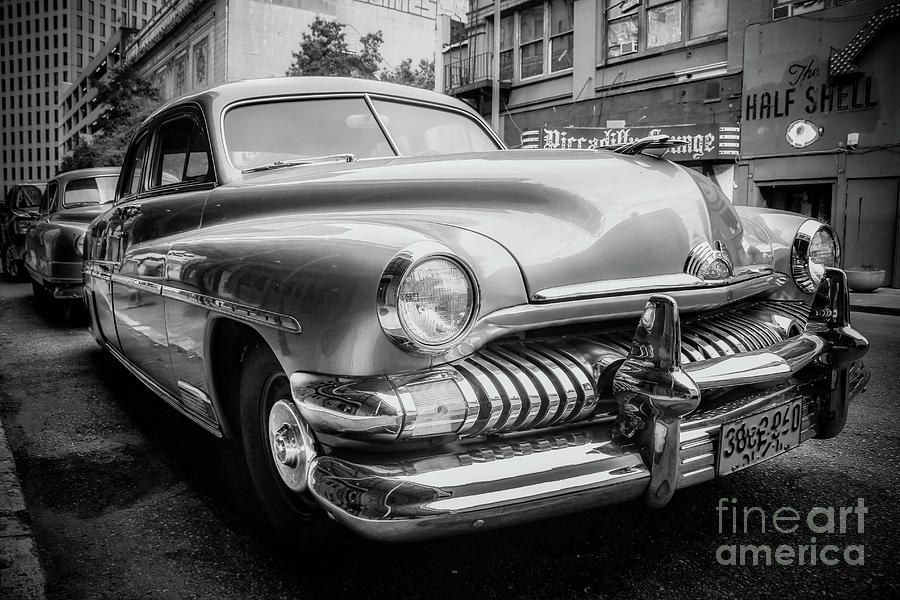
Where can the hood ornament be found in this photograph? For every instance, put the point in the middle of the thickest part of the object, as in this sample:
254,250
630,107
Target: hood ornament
708,263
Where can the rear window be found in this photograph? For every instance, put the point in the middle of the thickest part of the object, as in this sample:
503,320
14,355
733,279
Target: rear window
90,190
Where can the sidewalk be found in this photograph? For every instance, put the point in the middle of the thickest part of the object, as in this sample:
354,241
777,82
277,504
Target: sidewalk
885,301
21,576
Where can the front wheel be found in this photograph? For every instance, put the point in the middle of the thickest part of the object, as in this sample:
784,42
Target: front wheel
12,266
277,443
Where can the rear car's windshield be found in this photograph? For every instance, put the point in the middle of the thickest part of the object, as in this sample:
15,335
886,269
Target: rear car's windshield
90,190
266,132
26,196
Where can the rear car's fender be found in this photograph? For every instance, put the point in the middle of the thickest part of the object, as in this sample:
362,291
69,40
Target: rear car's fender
51,254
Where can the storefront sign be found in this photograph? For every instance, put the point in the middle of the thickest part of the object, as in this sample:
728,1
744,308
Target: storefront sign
807,92
809,83
702,142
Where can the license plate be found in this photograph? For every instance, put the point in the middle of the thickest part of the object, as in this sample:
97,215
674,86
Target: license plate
759,437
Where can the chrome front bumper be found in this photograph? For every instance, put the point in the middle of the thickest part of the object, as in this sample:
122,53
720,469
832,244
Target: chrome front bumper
660,438
524,478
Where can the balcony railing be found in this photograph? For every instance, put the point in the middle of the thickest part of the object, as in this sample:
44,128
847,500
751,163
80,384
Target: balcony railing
467,72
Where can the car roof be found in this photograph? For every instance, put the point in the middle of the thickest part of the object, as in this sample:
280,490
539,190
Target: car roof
64,178
222,95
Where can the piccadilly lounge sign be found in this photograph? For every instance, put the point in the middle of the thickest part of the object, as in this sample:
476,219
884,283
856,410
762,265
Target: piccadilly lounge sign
701,141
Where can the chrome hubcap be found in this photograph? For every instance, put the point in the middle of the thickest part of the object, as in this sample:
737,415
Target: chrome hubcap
290,444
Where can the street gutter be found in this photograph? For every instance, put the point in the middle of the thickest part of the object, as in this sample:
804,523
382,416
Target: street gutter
21,574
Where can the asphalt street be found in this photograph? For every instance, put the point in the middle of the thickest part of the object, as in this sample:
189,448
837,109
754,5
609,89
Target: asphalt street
129,500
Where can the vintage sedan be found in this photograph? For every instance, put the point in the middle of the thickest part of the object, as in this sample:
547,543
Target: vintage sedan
17,213
54,245
412,330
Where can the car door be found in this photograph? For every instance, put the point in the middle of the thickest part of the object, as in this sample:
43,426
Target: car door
36,243
173,192
105,248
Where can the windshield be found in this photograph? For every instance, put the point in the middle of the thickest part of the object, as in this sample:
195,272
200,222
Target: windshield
419,130
269,132
27,196
90,190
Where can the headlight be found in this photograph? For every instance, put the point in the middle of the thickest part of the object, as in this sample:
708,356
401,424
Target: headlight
815,248
79,245
22,225
426,302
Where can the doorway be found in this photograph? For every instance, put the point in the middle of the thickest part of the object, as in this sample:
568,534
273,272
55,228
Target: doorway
810,199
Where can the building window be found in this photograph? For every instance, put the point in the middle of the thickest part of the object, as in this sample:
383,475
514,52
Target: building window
507,44
663,23
531,42
707,16
633,26
621,30
200,65
536,40
180,69
561,38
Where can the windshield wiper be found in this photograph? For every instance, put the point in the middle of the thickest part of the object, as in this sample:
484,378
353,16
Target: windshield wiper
346,157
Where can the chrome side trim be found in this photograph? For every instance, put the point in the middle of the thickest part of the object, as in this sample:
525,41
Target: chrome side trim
162,393
235,310
198,401
138,284
640,285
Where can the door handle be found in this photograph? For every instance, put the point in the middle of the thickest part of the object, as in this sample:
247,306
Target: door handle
129,211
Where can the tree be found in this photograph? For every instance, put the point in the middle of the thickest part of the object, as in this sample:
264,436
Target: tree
128,99
420,77
324,51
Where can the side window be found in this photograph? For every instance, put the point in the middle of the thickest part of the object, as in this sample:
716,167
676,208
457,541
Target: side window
134,169
182,154
49,201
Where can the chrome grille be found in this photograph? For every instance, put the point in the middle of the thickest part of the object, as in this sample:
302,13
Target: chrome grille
530,384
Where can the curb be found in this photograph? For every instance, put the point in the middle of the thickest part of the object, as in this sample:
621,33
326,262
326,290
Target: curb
21,574
877,310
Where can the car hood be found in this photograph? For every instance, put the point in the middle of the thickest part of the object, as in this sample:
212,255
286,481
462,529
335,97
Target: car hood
566,217
81,214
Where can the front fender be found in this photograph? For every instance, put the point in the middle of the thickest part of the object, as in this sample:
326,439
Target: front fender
781,228
50,251
325,275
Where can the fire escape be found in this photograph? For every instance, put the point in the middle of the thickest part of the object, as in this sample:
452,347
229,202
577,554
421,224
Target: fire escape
468,70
